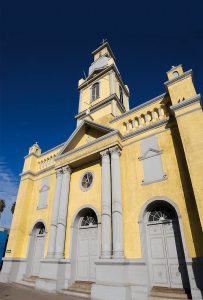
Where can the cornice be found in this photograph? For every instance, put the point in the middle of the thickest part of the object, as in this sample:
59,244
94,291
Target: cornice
31,154
106,44
37,173
102,138
106,70
44,153
178,78
146,128
186,102
52,149
138,107
101,104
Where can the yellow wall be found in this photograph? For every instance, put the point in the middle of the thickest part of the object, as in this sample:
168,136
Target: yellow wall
79,198
188,130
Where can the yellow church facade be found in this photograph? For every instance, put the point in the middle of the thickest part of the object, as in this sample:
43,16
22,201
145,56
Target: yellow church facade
119,205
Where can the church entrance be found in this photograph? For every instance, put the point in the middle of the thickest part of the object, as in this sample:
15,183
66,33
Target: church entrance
87,246
36,248
166,257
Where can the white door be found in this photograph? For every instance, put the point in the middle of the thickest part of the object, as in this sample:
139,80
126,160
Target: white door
165,253
87,249
38,253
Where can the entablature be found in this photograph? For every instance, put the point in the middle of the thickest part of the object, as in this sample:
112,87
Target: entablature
90,151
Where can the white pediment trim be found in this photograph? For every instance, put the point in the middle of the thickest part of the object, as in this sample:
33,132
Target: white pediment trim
96,126
44,188
150,153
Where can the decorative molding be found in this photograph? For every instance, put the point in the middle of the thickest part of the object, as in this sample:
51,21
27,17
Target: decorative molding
67,169
102,138
145,128
83,123
106,70
52,149
104,153
37,173
188,112
178,78
106,44
187,102
44,188
32,154
80,181
138,107
14,259
114,150
154,151
153,199
165,177
101,104
120,261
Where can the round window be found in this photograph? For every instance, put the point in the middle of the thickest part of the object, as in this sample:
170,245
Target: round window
86,181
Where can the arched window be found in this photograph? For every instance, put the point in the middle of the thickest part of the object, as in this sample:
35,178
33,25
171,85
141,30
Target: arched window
95,91
175,74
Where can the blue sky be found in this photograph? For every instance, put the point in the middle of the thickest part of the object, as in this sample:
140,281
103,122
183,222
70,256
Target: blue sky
46,45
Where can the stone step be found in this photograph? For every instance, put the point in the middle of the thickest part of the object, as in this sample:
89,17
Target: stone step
168,294
80,289
77,294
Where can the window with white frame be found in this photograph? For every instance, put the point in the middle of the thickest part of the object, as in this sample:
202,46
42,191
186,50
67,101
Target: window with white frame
151,160
43,193
95,91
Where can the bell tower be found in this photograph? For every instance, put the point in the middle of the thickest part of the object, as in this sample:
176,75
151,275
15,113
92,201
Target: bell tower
103,95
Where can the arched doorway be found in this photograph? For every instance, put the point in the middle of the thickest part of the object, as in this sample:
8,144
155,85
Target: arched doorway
85,249
165,252
36,249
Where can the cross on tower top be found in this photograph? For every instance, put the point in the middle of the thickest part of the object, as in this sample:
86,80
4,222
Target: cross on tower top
103,41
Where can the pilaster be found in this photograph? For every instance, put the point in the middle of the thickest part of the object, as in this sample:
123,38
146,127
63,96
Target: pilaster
106,205
117,218
53,228
63,210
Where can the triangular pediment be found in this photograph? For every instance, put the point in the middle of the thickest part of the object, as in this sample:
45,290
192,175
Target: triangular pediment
84,134
95,72
149,153
44,188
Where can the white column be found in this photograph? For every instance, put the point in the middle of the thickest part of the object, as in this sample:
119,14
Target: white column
55,210
106,205
116,203
62,216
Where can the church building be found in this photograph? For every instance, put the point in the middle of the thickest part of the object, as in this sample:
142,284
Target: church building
115,212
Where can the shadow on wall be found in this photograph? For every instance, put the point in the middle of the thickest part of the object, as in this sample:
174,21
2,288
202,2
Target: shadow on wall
191,206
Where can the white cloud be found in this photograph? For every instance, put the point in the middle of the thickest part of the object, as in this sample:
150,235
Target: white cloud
8,191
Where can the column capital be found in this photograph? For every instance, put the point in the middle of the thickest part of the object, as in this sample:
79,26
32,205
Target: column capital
115,150
59,172
67,169
104,153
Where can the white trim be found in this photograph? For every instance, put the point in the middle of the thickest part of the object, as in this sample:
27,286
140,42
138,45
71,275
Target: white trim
137,108
187,102
180,77
145,128
80,181
35,223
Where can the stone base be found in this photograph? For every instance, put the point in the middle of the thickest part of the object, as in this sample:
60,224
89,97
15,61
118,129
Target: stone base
125,279
195,272
13,269
109,292
120,279
54,275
